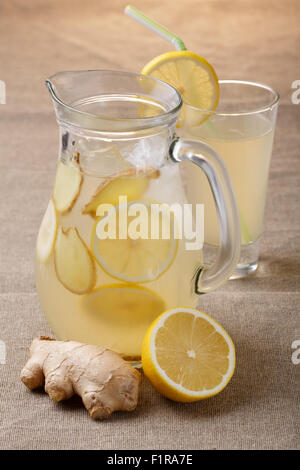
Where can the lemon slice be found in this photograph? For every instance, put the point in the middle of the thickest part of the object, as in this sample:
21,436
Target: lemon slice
47,233
133,259
187,355
192,76
66,187
125,312
129,182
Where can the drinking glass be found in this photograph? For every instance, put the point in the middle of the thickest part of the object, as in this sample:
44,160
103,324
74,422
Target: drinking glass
241,131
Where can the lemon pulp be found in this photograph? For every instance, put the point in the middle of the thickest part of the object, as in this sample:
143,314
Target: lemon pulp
187,355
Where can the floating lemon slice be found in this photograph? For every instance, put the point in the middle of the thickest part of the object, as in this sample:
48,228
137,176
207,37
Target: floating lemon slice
192,76
126,311
187,355
133,253
66,187
130,182
74,265
47,233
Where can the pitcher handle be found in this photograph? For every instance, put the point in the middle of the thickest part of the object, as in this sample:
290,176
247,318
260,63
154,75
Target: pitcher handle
208,278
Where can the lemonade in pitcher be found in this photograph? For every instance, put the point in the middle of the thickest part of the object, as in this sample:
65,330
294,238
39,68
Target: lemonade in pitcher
108,291
119,243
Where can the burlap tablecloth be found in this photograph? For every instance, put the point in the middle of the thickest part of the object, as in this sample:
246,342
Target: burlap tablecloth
256,40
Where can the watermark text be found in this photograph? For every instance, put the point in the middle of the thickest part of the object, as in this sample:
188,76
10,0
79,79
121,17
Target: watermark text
151,220
2,92
296,94
296,353
2,352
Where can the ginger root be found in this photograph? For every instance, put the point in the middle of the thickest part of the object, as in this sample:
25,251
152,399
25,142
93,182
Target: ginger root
104,381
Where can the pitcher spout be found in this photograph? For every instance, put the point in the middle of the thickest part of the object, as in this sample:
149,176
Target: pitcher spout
110,101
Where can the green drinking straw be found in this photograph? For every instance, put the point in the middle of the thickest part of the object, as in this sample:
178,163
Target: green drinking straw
179,46
156,27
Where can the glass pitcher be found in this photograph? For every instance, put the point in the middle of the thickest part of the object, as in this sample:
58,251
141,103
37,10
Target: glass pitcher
113,251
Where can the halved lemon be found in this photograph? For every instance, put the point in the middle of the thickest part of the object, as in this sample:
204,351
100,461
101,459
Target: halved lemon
192,76
47,233
187,355
125,311
139,249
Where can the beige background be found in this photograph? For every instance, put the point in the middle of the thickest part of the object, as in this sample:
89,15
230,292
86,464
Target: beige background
244,39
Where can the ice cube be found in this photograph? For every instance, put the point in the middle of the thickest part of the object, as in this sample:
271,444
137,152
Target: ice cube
145,151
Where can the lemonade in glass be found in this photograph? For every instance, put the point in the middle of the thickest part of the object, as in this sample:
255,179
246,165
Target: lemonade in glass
241,130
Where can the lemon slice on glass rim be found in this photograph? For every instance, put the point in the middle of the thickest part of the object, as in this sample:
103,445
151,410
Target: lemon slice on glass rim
130,257
193,77
187,355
